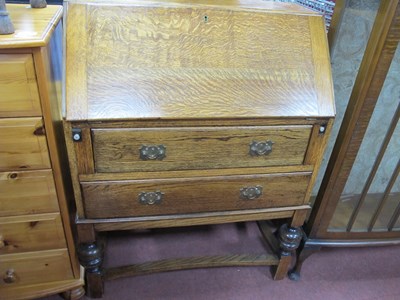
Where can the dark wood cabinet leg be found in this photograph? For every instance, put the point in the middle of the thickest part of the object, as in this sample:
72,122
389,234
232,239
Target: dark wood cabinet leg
91,257
289,240
73,294
302,253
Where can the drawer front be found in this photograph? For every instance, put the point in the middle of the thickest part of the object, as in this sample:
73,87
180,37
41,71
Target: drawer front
127,150
31,233
34,267
19,96
112,199
27,192
23,144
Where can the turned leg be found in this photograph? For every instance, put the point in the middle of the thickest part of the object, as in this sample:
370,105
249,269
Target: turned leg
289,239
74,294
90,257
90,254
303,252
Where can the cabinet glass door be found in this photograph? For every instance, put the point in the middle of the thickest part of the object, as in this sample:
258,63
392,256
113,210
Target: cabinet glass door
371,196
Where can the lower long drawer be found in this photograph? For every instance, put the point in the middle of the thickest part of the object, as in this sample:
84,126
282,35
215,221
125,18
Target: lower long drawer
131,198
34,267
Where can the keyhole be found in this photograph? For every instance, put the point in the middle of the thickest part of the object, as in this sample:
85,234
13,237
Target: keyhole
205,19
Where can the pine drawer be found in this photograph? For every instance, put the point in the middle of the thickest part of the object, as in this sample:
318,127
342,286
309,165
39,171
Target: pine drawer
27,192
31,233
23,144
19,95
34,267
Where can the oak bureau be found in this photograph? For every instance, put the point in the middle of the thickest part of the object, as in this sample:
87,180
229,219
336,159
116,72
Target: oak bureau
190,112
37,252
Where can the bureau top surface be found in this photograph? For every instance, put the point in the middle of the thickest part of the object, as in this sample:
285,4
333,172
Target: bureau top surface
33,27
195,60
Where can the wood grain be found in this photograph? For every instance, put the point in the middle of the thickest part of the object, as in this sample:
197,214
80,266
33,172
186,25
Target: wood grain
36,267
33,27
322,67
34,213
117,150
41,290
48,72
193,173
84,151
19,95
73,166
315,152
110,199
31,233
192,219
20,147
218,70
247,5
76,86
27,192
191,263
149,123
203,79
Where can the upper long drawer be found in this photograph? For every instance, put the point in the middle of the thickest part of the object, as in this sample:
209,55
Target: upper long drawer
19,96
155,149
23,144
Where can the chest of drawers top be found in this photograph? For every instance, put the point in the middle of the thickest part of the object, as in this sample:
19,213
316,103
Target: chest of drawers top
164,60
33,27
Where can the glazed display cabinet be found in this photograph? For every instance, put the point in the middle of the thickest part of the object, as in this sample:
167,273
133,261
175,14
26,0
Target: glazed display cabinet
358,203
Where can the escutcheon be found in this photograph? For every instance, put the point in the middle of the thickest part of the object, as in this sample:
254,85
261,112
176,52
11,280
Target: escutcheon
261,148
10,276
150,198
152,152
252,192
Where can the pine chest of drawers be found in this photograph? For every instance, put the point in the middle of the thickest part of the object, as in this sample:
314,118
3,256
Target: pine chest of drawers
37,252
185,114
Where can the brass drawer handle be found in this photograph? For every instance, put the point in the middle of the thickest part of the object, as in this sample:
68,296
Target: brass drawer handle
261,148
10,276
152,152
150,198
250,193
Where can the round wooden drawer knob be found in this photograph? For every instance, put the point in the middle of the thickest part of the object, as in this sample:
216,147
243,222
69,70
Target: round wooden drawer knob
10,276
